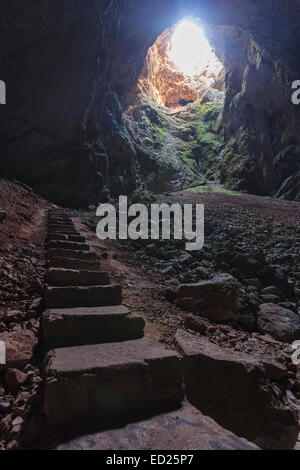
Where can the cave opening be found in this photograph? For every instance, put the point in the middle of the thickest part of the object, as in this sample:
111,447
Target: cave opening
181,67
176,118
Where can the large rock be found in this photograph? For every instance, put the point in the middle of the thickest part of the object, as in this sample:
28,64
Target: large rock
233,389
216,299
19,347
279,322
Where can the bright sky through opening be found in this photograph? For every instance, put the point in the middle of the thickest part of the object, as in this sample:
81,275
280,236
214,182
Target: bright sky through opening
190,50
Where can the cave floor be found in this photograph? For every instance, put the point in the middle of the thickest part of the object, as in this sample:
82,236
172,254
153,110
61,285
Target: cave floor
259,222
236,221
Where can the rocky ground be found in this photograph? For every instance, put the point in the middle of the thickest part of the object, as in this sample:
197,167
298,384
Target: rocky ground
22,272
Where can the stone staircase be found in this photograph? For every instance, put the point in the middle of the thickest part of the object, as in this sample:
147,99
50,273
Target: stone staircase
102,376
99,369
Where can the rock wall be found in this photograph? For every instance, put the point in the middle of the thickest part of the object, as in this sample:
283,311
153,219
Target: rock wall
72,67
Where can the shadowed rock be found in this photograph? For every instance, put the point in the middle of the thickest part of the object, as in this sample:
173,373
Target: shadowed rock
216,299
233,389
279,322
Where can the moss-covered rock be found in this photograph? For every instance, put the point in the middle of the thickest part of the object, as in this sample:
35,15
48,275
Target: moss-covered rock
176,149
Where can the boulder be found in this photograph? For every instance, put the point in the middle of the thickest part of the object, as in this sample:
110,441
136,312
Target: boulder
233,389
215,299
280,323
19,347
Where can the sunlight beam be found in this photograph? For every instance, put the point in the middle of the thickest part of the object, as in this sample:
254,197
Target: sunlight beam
191,51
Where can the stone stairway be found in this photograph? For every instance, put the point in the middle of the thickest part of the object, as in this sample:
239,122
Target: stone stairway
99,369
102,376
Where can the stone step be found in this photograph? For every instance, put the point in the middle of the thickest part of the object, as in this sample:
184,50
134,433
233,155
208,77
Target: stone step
97,385
62,237
59,217
233,388
92,296
77,264
184,429
72,277
59,221
64,232
79,326
54,227
57,236
83,255
68,245
76,238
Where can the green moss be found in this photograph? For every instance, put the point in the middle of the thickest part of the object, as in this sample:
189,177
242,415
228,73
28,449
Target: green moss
160,131
211,188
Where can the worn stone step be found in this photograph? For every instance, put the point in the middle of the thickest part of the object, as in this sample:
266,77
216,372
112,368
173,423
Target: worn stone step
68,245
185,429
56,236
64,232
54,227
72,277
62,237
79,326
70,263
59,222
92,296
103,384
59,217
83,255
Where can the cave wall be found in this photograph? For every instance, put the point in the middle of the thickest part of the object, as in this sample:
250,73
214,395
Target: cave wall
72,66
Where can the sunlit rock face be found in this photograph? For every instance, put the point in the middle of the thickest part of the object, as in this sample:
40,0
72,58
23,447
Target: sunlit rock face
173,84
72,69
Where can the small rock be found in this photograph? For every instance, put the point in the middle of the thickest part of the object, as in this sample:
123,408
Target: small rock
14,378
17,421
12,445
253,283
3,215
273,290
